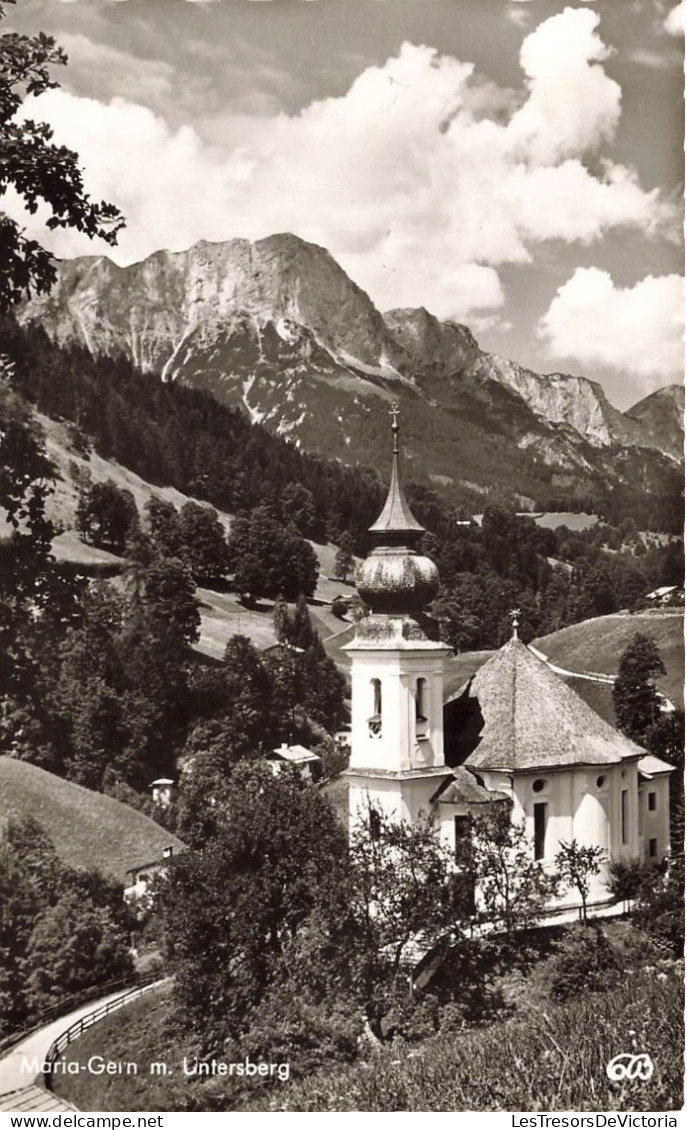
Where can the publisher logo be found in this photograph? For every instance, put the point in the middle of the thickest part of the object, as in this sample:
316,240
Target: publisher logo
630,1066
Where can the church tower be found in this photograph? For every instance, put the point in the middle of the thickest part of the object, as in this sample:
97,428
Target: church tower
397,739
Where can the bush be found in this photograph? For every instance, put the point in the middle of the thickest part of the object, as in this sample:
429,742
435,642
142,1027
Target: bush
585,962
627,876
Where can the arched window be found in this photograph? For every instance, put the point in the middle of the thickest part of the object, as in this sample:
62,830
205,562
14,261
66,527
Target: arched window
421,708
374,722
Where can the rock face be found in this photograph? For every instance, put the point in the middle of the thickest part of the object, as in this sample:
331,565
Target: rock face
661,417
277,328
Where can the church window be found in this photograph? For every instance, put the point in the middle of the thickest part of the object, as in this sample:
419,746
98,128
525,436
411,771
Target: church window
539,830
374,723
652,802
538,785
600,782
421,720
624,800
653,848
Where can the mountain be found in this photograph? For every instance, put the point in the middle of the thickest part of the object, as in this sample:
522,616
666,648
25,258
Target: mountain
661,415
278,329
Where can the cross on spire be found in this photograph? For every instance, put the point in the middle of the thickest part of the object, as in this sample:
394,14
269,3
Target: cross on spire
515,620
394,413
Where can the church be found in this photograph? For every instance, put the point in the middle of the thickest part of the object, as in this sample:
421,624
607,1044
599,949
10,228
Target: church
514,733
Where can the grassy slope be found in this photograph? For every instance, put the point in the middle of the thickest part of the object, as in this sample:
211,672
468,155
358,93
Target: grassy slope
596,645
87,828
543,1059
222,614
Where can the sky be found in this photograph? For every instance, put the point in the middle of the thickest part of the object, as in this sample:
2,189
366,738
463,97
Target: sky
515,165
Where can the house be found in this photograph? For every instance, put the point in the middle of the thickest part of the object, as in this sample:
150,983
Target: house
297,755
139,878
514,733
162,790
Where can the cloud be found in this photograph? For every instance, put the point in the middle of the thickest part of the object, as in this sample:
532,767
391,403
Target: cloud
573,105
637,329
675,20
422,179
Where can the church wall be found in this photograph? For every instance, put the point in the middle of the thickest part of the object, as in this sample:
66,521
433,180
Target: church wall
401,743
397,799
654,822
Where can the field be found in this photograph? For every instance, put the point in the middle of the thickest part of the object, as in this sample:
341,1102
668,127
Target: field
549,1059
87,828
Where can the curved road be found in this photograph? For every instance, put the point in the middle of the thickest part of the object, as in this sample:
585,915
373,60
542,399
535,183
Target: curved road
17,1067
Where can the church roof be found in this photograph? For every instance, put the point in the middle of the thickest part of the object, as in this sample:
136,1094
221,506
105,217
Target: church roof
396,516
465,788
516,714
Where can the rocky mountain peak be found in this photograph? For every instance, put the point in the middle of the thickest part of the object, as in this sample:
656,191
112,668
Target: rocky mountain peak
278,329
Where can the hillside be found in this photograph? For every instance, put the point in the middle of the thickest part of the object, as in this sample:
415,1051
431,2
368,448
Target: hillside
596,646
87,828
276,329
450,1072
222,615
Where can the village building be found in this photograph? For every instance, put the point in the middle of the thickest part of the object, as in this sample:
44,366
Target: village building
139,878
303,759
515,733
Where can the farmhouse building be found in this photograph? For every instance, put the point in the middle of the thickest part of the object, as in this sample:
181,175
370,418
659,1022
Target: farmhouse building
515,733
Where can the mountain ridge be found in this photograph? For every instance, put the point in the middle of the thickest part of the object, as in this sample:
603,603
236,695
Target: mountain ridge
278,329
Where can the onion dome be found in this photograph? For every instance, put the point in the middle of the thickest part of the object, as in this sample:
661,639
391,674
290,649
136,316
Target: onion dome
394,579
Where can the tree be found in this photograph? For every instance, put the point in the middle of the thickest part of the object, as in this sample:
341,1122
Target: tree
105,516
268,560
234,907
204,549
511,885
406,898
38,170
74,944
576,865
344,562
635,698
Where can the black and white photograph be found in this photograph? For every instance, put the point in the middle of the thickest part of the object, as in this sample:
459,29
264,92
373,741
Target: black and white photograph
342,560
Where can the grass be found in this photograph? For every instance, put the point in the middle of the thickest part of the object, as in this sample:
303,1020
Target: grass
552,1060
87,828
546,1058
596,645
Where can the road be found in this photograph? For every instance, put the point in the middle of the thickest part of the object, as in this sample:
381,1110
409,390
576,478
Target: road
18,1067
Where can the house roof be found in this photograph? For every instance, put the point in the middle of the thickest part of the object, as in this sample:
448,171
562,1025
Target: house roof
649,766
296,754
465,788
516,714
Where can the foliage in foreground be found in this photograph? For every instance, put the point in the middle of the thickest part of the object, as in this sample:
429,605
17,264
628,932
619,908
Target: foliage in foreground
552,1058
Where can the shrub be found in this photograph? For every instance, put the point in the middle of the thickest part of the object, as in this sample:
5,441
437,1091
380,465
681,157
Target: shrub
585,962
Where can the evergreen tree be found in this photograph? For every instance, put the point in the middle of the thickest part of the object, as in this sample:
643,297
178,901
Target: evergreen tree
635,698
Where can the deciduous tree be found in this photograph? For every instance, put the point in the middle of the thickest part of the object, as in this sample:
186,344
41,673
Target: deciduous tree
39,171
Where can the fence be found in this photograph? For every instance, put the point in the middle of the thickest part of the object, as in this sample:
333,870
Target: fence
79,1026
